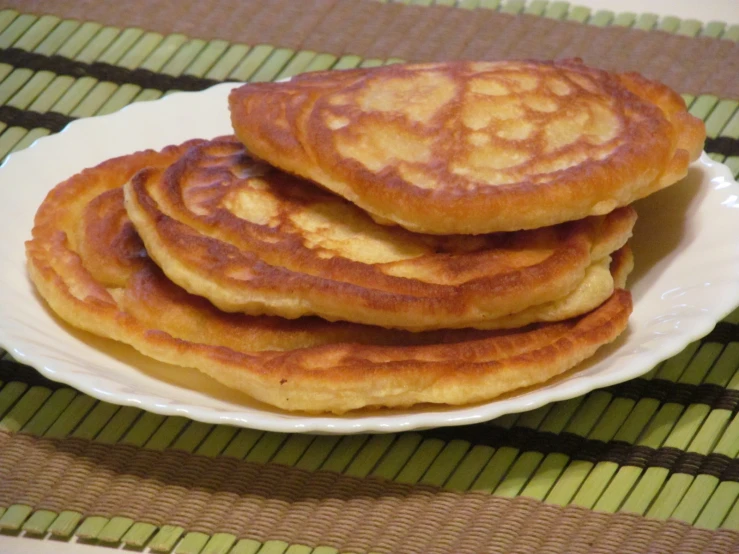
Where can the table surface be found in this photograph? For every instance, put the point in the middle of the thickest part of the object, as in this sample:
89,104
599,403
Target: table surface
705,12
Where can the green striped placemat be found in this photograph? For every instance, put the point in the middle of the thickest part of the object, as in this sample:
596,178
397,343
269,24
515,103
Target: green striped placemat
648,464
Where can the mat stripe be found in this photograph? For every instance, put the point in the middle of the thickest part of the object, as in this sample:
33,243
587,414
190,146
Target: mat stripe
677,431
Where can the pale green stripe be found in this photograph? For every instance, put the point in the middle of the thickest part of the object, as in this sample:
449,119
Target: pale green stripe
58,37
392,463
344,453
51,409
298,64
731,33
713,29
547,475
37,32
672,369
219,543
689,27
39,522
468,4
166,538
470,467
348,61
192,436
273,547
595,484
445,462
660,426
10,394
710,432
519,474
242,443
613,419
166,432
687,426
366,459
534,418
719,118
16,30
646,21
6,18
139,534
645,490
421,460
207,59
695,498
490,4
516,6
246,546
217,440
178,59
112,52
65,524
192,543
321,62
29,138
580,14
732,520
90,528
560,415
556,10
669,24
100,415
317,452
589,413
266,447
14,516
228,62
703,105
728,445
495,469
114,529
87,35
24,409
725,367
701,364
293,449
249,64
719,505
670,496
537,7
602,18
140,426
625,19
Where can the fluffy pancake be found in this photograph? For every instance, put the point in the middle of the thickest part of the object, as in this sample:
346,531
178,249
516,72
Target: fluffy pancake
89,265
473,147
256,240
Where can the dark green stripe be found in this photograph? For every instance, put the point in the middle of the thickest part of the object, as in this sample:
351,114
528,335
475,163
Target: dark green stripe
28,119
577,447
101,71
725,146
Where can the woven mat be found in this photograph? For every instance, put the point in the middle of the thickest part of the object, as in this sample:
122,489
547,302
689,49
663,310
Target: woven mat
648,465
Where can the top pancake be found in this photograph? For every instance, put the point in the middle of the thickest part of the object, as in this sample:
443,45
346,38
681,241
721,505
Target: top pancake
256,240
89,265
473,147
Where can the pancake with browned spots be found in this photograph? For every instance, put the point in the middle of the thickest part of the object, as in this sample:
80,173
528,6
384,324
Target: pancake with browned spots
253,239
90,266
473,147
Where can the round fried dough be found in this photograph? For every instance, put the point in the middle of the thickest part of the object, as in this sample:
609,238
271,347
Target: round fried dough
473,147
89,265
256,240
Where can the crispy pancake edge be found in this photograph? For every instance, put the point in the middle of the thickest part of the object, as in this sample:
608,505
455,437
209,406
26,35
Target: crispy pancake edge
669,139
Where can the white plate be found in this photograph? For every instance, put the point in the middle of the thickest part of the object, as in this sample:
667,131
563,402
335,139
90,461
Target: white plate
686,279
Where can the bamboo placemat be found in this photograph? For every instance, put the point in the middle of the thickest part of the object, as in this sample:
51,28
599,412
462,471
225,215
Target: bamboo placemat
648,465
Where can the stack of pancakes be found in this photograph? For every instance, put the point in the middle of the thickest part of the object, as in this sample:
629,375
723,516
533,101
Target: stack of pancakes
439,233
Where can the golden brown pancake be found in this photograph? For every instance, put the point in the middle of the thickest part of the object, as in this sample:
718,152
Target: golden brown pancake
89,265
473,147
256,240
